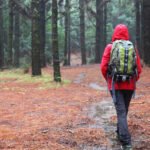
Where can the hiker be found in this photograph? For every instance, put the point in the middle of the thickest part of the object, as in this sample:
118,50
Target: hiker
121,86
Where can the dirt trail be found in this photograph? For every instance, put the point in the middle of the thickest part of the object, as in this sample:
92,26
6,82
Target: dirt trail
76,116
101,112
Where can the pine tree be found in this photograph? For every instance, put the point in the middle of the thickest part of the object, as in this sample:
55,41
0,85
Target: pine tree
146,31
1,35
16,38
36,64
82,31
67,50
99,31
42,32
10,36
56,62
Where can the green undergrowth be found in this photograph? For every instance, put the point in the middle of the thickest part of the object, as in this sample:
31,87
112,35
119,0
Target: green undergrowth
44,81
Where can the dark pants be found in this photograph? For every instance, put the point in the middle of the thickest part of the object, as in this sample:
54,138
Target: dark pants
123,98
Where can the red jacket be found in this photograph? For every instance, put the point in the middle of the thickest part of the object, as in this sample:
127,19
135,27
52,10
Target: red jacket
120,33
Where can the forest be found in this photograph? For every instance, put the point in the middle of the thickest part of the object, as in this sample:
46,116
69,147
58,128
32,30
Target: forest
43,32
53,95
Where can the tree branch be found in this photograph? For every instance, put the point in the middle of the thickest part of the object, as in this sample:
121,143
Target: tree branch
24,10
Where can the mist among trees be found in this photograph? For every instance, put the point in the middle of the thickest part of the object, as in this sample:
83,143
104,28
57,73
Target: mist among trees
37,33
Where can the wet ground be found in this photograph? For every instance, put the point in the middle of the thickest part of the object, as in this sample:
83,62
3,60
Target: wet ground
101,113
75,116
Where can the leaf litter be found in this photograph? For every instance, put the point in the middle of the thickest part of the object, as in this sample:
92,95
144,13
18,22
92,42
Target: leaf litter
77,116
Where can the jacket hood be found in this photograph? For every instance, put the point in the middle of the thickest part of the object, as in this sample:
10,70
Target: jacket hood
120,33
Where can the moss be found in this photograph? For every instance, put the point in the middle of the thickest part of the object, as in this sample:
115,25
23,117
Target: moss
45,81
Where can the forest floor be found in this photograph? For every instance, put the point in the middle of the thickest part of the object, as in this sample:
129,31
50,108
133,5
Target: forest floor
38,114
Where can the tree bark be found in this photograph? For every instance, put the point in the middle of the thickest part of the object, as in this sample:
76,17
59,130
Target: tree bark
138,27
61,10
17,38
99,31
10,36
105,25
43,31
36,65
146,31
67,34
82,31
1,35
56,62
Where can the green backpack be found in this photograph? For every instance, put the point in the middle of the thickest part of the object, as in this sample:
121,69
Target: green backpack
123,58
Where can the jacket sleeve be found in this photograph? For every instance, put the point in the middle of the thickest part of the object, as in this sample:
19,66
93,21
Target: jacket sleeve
105,60
139,68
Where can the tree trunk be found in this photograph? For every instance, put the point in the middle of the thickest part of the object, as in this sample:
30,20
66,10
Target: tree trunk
138,26
36,43
1,35
146,31
67,34
17,38
141,30
56,62
10,36
43,30
69,40
99,31
61,10
82,31
105,25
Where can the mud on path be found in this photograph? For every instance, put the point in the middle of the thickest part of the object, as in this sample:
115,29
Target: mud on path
77,116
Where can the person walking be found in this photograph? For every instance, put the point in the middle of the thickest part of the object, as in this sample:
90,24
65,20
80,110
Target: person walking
121,86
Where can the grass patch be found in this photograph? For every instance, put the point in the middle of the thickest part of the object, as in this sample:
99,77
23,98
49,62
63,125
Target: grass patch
45,80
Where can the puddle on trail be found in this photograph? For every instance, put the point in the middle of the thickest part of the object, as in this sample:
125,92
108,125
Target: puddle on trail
101,113
84,147
92,85
97,87
79,78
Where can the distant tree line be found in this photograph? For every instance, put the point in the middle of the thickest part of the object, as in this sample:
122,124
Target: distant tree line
41,32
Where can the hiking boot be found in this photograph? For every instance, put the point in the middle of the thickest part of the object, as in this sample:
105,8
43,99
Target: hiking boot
126,147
